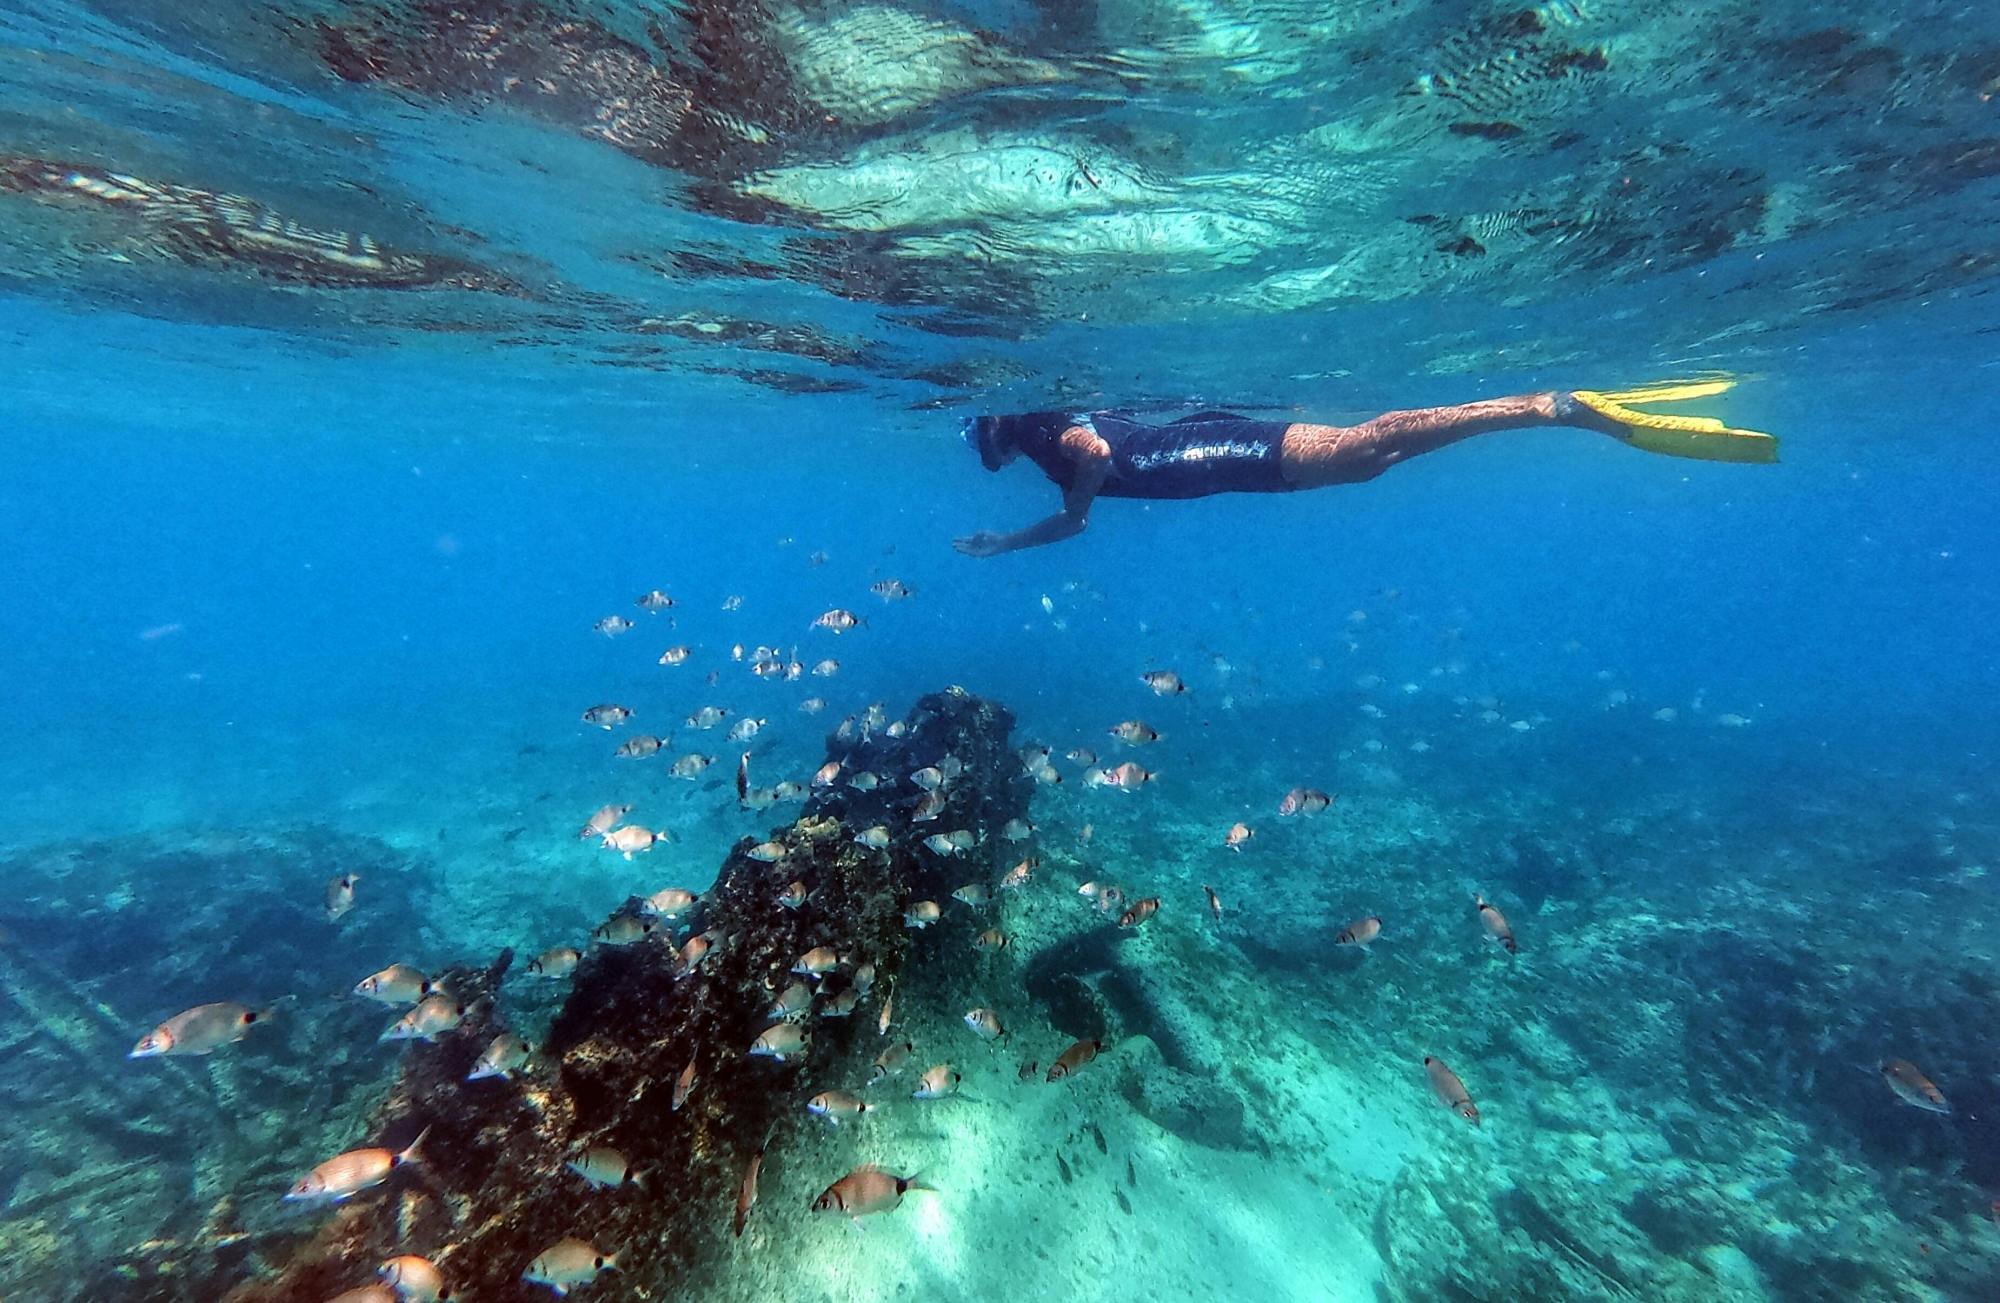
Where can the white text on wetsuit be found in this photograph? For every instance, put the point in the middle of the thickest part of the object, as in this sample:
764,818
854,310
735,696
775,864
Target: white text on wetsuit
1146,461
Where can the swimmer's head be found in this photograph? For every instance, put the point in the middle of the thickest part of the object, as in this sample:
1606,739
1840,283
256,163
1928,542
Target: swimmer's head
994,442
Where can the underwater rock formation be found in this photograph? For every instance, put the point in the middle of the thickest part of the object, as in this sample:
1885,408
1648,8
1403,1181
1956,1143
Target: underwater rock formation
492,1190
157,1178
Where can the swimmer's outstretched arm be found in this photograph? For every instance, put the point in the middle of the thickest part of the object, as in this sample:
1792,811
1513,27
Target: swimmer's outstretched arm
1090,461
1056,528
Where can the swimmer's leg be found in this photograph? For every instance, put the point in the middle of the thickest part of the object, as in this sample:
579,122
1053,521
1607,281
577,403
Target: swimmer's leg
1316,455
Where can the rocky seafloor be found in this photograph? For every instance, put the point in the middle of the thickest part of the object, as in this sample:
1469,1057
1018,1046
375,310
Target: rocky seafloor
1676,1073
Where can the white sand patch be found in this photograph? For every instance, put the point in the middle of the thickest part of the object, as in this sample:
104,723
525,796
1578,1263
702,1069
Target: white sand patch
1029,1203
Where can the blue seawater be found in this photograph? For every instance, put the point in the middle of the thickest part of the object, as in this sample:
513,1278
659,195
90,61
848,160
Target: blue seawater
360,358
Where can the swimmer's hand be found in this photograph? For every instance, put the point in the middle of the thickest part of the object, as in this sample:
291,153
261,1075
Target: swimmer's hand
983,543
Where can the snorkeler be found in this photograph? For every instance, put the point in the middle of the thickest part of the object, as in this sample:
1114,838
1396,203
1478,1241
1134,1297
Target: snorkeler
1114,454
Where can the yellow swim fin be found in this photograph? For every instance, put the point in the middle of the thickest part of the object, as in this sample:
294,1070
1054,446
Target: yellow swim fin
1701,437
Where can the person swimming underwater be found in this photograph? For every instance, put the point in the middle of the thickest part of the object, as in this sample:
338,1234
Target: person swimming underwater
1114,454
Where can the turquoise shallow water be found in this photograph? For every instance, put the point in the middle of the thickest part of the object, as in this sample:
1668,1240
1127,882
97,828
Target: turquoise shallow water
310,530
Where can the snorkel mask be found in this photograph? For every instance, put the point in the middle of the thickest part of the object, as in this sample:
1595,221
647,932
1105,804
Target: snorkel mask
982,434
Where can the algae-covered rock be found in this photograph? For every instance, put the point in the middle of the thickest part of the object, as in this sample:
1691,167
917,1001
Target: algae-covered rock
492,1192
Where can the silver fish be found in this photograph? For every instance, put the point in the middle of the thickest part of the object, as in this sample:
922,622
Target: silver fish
504,1056
792,1002
746,1194
348,1174
394,985
200,1030
782,1041
1450,1091
557,961
602,1166
568,1263
603,821
434,1015
414,1279
1074,1057
833,1105
691,955
985,1024
866,1190
937,1083
682,1085
892,1060
1495,924
1911,1086
608,715
624,930
367,1294
1361,932
669,902
817,962
630,840
838,620
340,896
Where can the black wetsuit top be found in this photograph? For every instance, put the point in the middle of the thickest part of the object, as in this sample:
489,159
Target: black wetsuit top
1208,452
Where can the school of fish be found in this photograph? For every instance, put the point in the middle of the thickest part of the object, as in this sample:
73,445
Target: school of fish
821,983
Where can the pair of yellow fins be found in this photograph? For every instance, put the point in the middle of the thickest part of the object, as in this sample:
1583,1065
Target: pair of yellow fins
1701,437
